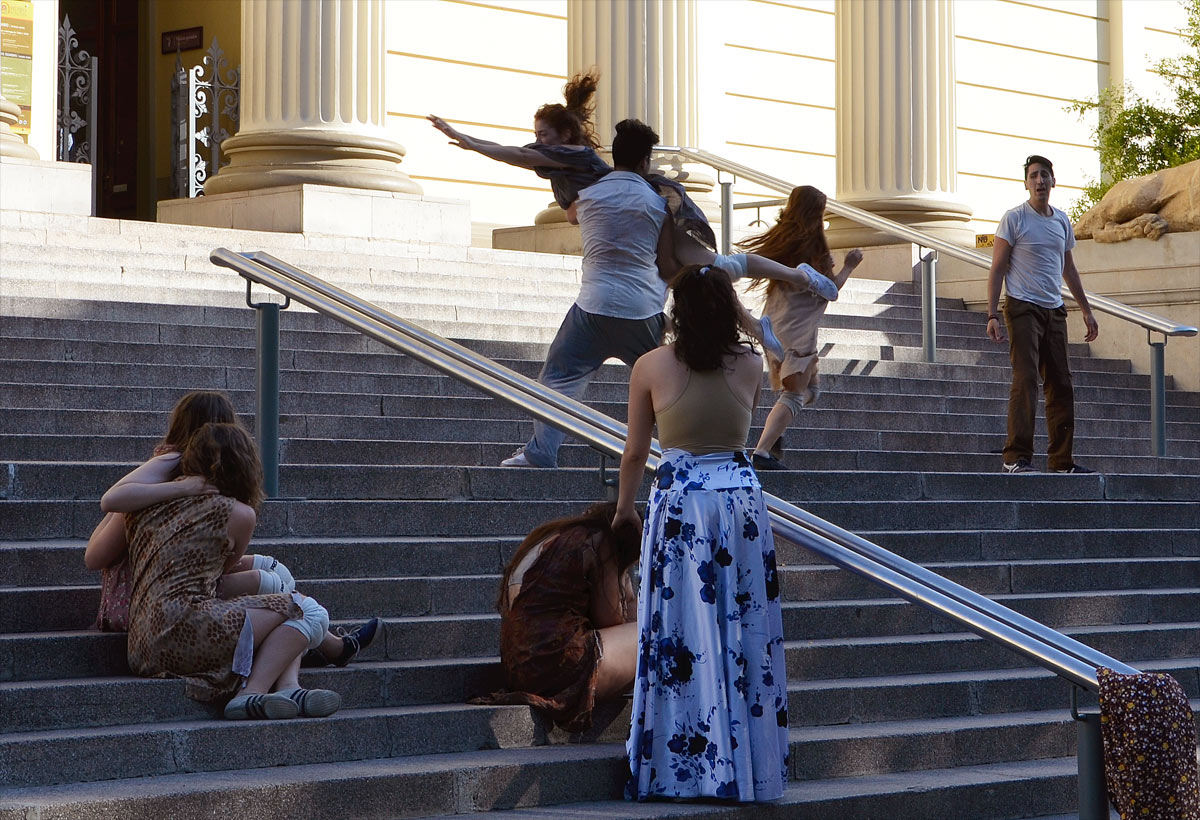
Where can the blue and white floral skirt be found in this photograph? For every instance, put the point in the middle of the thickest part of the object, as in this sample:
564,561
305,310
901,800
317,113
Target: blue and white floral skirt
710,697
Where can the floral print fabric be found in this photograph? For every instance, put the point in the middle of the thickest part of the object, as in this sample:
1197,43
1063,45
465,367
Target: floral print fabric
710,696
1149,746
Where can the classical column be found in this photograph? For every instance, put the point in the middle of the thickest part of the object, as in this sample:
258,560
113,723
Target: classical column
312,105
11,145
896,147
645,51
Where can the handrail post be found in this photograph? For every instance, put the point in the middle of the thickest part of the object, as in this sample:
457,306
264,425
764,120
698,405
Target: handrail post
266,411
1089,750
929,305
726,216
1158,396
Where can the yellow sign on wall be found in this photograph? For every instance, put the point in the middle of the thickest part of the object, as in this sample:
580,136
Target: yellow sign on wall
16,58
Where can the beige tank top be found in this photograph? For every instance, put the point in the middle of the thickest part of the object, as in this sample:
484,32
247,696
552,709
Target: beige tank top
706,418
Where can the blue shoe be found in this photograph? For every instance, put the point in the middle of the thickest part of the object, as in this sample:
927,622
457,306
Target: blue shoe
819,283
770,341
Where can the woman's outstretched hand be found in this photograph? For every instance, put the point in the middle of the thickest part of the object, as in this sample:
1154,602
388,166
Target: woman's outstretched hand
853,258
456,138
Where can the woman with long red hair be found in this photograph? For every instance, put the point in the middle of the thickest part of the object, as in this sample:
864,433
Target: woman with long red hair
796,239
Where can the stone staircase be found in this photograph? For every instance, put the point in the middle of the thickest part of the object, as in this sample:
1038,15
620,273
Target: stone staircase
390,505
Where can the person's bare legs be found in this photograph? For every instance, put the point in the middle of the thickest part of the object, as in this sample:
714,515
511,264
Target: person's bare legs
236,584
619,664
276,651
780,417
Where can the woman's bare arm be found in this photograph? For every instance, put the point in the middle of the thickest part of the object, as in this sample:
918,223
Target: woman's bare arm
511,154
107,543
242,520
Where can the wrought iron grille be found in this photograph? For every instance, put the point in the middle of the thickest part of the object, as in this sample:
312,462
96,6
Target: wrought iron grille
77,92
204,113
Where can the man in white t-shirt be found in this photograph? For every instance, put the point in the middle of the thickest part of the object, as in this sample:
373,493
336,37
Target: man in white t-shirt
618,313
1032,258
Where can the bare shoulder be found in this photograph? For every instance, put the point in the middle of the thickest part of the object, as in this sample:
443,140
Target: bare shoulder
655,360
748,359
242,517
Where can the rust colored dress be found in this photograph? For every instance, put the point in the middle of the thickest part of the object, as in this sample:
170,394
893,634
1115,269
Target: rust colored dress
549,648
178,627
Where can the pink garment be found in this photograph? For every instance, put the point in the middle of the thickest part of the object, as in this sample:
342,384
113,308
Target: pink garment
795,317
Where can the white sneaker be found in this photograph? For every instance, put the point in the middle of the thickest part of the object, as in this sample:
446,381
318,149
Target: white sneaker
820,284
770,341
517,459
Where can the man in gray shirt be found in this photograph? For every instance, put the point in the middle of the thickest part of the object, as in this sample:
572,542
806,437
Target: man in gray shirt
618,313
1032,258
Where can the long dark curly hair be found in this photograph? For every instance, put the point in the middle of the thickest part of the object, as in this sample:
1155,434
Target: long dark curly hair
575,118
192,412
622,546
227,456
798,235
705,317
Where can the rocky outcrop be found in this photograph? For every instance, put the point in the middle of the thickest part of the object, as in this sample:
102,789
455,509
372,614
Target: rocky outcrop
1146,206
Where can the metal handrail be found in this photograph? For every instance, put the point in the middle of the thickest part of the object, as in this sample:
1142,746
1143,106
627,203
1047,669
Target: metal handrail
1066,657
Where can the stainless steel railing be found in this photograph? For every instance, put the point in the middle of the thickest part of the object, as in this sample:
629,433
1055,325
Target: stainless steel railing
1070,659
1064,656
1151,321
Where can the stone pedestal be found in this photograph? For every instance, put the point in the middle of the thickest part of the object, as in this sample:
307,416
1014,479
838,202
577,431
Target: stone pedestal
896,149
558,237
47,187
327,209
312,122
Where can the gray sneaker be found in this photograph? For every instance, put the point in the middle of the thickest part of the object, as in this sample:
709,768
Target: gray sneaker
1021,465
517,459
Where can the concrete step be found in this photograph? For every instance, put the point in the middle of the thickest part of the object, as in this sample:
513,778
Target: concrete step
29,480
39,656
510,785
25,520
48,563
60,562
235,374
846,345
822,602
299,450
31,706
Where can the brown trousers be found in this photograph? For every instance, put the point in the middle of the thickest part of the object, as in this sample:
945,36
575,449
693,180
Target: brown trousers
1038,347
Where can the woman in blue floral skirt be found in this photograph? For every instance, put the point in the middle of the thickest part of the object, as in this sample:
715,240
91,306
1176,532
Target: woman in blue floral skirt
710,696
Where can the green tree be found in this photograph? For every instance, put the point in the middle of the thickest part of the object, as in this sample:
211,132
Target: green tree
1133,135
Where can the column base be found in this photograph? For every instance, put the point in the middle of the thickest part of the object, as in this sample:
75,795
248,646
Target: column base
324,209
46,187
943,218
273,159
12,145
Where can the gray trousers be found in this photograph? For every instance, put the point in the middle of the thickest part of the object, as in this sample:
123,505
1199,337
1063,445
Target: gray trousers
583,343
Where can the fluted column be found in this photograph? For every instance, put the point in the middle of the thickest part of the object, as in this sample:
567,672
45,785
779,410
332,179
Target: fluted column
645,51
11,144
896,146
312,106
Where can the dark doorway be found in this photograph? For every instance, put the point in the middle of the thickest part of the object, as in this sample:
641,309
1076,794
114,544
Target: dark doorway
108,29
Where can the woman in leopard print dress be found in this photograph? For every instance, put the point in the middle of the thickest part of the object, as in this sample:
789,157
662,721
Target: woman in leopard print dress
182,536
